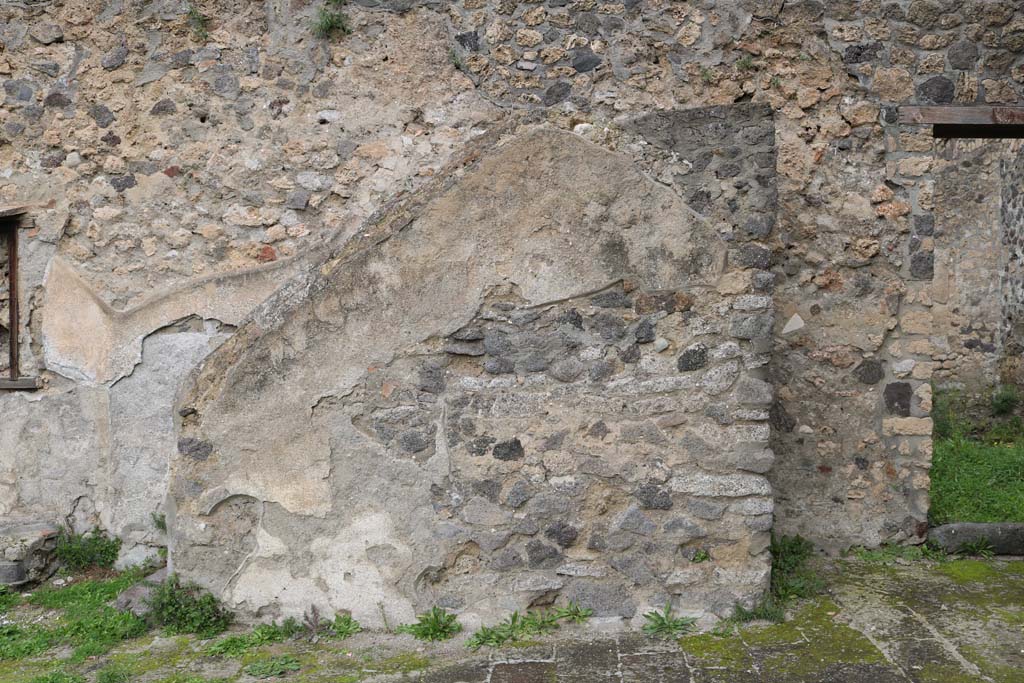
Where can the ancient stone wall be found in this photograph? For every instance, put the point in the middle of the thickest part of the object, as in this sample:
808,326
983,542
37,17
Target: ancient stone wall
1012,259
182,172
558,401
968,285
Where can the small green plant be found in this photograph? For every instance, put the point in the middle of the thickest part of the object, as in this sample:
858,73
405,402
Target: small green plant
159,521
189,678
264,634
77,552
574,613
745,63
187,608
272,667
437,624
344,626
776,82
8,599
59,677
113,674
665,626
792,578
517,627
328,22
948,413
198,22
1005,400
887,554
706,75
701,555
979,548
455,60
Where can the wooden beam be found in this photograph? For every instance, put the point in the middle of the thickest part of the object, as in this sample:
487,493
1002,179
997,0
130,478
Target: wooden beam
970,116
21,384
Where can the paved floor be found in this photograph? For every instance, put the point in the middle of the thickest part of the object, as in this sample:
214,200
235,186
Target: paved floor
920,622
896,622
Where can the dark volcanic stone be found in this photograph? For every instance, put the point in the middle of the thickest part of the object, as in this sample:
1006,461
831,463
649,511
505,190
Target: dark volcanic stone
922,265
114,58
645,332
962,55
413,441
559,92
937,89
499,366
122,182
562,534
297,200
897,398
164,106
585,60
541,555
653,497
509,450
194,448
57,99
630,354
870,371
693,358
613,298
855,54
101,115
469,40
53,160
754,256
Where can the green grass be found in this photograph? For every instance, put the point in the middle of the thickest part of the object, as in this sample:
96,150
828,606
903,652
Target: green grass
8,599
977,482
113,674
437,624
86,622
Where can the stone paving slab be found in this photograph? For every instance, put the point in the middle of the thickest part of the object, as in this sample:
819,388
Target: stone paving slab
924,622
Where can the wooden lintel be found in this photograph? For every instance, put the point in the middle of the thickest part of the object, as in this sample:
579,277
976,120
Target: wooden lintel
970,116
21,222
21,384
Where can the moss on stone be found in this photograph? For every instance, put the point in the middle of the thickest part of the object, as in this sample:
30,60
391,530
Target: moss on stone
969,571
817,641
934,672
721,651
